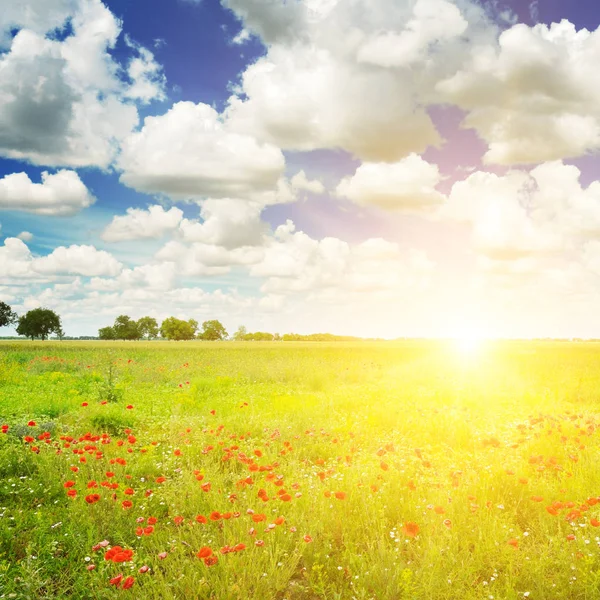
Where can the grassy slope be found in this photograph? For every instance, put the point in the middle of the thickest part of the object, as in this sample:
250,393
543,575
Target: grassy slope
461,431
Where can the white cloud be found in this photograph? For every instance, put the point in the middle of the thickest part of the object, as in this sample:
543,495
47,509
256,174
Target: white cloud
188,152
77,260
15,259
408,185
534,95
61,193
140,224
356,76
300,182
26,236
148,80
62,102
226,222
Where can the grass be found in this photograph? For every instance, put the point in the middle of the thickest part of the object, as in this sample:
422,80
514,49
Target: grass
407,470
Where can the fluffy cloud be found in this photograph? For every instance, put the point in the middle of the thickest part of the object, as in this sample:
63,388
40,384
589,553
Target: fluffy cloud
62,102
300,182
356,76
140,224
188,152
148,80
408,185
534,95
15,259
226,222
521,216
61,193
293,262
77,260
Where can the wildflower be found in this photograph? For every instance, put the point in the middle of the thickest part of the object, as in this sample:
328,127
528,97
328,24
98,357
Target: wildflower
513,542
162,555
594,523
340,495
307,539
129,407
201,519
570,537
209,561
126,504
92,498
68,484
116,581
447,523
31,424
215,515
178,520
144,569
72,493
160,479
411,529
129,581
259,543
152,520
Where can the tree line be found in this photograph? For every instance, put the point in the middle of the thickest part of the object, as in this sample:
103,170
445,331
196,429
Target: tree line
147,328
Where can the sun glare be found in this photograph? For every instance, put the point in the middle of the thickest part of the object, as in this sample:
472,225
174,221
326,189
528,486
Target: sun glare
468,342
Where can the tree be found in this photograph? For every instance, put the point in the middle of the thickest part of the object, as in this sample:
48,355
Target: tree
7,316
106,333
212,331
240,334
126,328
39,323
148,327
177,329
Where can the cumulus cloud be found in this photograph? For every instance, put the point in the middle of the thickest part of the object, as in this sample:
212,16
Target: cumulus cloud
63,102
524,214
77,260
226,222
408,185
300,182
61,193
293,262
147,77
356,76
188,152
139,224
533,96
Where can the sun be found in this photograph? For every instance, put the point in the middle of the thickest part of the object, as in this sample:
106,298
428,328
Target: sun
468,341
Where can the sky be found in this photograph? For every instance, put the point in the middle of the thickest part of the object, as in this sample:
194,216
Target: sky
379,168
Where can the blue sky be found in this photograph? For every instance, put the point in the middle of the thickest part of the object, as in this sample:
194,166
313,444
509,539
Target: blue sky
379,168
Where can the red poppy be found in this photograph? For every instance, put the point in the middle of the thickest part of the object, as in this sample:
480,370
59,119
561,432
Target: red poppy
126,504
209,561
201,519
285,497
570,537
152,520
204,552
215,515
513,542
92,498
307,539
116,581
340,495
411,529
72,493
68,484
178,520
31,423
594,523
161,479
537,498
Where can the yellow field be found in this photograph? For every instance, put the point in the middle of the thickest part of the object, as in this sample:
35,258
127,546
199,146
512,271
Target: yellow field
350,470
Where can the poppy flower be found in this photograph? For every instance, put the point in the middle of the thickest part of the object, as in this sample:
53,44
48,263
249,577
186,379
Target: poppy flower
513,542
537,498
4,428
411,529
215,515
178,520
144,569
92,498
594,523
116,581
439,510
162,555
129,581
201,519
257,518
279,521
204,552
384,466
307,539
152,520
126,504
160,479
259,543
340,495
285,497
72,493
148,530
447,523
551,510
570,537
209,561
129,407
31,423
68,484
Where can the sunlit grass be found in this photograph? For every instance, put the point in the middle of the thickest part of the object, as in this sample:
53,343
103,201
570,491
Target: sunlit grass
413,470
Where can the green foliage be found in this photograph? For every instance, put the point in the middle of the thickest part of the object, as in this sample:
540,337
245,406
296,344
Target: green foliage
107,333
212,331
148,328
125,328
7,315
177,329
39,323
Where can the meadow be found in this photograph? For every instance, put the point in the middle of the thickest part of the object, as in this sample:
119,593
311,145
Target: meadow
293,471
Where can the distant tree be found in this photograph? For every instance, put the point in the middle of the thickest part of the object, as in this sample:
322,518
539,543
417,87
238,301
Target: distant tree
212,331
178,329
7,315
39,323
106,333
240,334
126,328
148,327
276,337
60,334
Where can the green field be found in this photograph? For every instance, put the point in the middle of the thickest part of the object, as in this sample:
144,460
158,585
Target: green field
333,471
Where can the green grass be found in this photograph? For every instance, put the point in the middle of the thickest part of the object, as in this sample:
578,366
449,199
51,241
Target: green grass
410,432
